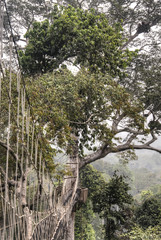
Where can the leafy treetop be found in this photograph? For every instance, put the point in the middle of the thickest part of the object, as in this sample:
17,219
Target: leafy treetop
73,33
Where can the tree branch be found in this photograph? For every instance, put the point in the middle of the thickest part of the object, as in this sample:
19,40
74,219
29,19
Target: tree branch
130,40
116,122
100,153
105,150
141,26
86,122
137,147
11,183
131,131
10,150
14,155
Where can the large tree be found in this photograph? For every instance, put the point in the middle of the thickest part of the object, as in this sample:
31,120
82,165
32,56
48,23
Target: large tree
91,109
95,107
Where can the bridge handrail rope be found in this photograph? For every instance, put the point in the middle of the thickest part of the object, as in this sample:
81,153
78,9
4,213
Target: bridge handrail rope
30,152
30,165
15,46
19,65
71,200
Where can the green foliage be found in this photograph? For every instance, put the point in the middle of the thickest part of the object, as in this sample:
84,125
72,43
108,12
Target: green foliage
112,205
115,192
110,200
108,169
81,104
137,233
84,35
143,82
37,118
125,157
63,103
146,194
93,180
83,226
149,213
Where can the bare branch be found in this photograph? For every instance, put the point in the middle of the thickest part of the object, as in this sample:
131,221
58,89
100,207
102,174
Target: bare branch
116,122
130,40
148,24
131,131
154,138
147,147
86,122
122,148
128,145
131,138
104,151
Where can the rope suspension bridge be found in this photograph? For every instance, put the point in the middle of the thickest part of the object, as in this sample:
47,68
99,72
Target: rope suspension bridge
30,207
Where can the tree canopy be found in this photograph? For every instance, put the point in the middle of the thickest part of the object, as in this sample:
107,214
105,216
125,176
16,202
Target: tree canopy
103,99
73,33
109,105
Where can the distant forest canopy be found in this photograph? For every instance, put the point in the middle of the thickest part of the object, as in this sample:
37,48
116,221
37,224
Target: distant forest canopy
139,217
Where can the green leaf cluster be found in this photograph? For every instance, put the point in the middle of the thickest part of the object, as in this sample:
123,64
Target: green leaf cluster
81,103
137,233
83,226
73,33
148,214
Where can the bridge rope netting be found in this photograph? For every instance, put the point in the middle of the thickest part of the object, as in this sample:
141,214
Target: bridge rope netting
29,206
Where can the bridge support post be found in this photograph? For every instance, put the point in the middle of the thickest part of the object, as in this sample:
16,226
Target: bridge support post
28,223
70,234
